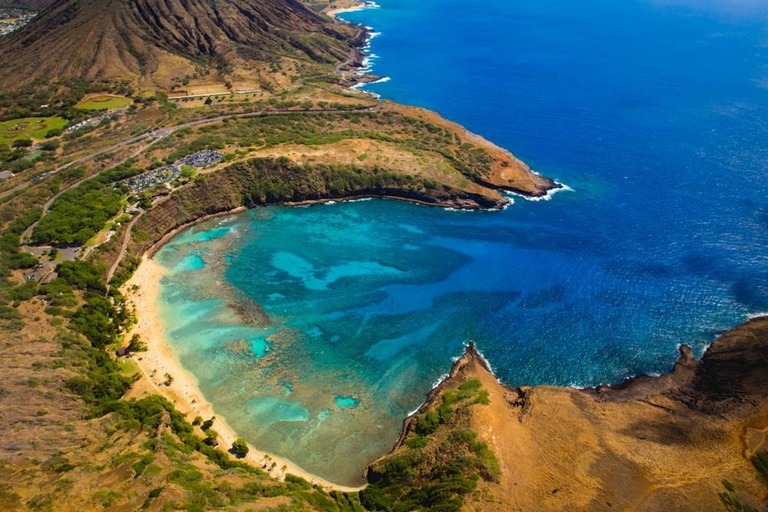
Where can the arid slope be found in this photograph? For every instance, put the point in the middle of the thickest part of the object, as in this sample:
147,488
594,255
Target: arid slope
652,444
153,42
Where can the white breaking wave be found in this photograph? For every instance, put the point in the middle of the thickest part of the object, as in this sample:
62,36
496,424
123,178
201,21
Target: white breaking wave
435,385
439,381
546,197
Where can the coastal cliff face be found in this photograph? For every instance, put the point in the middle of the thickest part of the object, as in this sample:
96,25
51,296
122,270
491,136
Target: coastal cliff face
651,444
262,182
392,152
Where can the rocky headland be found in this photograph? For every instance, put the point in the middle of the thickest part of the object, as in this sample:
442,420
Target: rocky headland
686,441
394,152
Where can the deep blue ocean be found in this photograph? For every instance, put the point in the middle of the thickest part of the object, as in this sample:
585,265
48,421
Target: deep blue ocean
654,113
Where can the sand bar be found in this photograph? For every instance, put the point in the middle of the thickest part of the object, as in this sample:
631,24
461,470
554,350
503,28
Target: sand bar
159,359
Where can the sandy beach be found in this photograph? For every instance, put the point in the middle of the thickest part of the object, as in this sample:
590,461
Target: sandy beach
160,360
354,6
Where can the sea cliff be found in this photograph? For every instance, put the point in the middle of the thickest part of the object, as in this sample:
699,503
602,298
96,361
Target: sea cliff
394,152
685,441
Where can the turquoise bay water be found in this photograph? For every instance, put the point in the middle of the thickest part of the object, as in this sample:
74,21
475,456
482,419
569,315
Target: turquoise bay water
316,330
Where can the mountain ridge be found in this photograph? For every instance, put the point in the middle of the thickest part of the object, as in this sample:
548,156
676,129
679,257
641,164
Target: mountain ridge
158,43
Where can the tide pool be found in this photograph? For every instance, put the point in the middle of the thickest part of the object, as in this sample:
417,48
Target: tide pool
316,330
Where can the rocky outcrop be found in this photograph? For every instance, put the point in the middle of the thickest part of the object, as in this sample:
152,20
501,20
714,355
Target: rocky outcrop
649,444
733,370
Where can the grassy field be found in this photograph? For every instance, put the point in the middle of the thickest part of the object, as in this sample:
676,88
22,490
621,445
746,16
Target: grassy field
103,102
29,127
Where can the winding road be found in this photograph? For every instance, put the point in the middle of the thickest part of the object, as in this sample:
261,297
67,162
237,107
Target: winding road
161,133
123,247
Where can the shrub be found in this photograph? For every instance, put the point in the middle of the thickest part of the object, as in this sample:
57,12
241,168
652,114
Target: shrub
136,345
239,448
434,475
22,143
760,461
82,275
21,260
93,320
78,214
298,481
24,291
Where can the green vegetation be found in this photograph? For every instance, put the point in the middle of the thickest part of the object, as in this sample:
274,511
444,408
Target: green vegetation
760,461
83,275
442,460
10,246
43,97
103,102
136,345
125,270
152,414
79,213
93,320
13,258
21,157
406,132
100,383
239,448
29,127
729,498
273,181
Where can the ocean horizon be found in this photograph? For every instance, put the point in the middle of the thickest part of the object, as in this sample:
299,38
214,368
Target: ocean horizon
316,330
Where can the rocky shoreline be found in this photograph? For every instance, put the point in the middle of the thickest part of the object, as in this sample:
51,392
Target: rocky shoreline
729,372
648,429
458,203
229,190
470,356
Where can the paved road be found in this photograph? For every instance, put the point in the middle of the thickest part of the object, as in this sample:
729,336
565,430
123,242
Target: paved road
79,161
49,203
123,247
160,134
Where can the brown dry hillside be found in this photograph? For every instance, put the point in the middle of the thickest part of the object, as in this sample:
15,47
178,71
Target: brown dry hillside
156,41
692,440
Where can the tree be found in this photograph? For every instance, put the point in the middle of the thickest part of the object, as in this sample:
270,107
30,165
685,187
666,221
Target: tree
136,345
210,437
51,145
239,448
22,143
168,379
207,424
